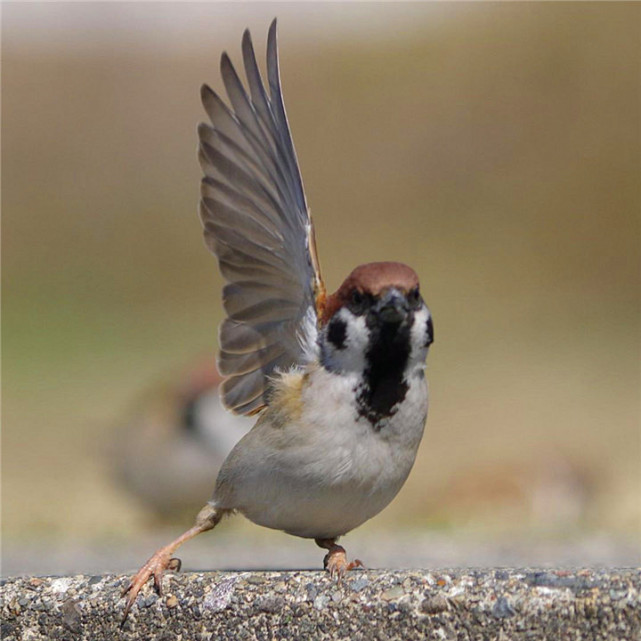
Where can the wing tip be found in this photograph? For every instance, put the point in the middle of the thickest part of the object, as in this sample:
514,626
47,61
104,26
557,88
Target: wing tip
272,40
204,130
206,92
225,62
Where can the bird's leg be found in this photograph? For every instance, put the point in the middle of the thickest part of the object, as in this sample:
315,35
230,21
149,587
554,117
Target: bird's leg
207,519
335,560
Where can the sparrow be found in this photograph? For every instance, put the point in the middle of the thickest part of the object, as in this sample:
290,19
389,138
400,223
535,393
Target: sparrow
174,440
337,382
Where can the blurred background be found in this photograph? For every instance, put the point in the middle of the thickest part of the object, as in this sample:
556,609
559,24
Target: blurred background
493,147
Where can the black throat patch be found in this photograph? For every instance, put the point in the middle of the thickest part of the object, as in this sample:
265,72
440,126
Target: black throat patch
384,385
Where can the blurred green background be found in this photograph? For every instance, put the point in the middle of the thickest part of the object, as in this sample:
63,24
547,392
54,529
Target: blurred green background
493,147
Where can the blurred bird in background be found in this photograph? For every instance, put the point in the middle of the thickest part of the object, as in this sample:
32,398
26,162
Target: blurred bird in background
174,441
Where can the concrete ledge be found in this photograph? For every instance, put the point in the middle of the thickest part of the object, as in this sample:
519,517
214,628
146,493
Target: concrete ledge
497,604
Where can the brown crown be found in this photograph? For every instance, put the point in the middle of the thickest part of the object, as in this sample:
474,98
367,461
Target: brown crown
373,279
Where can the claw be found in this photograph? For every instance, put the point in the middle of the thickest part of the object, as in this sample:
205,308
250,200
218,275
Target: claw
158,582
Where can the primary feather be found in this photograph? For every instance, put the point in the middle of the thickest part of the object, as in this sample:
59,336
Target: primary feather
256,221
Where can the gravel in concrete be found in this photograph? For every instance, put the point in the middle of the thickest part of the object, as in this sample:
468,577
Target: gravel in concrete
446,604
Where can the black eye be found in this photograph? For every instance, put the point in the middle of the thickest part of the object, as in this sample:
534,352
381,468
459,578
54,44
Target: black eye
357,302
414,297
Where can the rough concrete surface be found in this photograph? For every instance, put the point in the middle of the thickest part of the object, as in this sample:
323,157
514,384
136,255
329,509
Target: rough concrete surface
497,604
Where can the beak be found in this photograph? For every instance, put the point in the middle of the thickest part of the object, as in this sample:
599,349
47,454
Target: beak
392,307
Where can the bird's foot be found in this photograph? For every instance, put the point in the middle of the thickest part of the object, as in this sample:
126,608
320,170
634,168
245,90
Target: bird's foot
336,563
162,560
155,567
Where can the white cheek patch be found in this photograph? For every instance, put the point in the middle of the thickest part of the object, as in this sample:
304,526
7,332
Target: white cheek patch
418,336
351,356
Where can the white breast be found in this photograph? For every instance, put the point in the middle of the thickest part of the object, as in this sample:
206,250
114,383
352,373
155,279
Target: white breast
331,470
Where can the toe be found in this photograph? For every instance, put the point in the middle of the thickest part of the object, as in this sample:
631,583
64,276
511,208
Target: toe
337,565
133,588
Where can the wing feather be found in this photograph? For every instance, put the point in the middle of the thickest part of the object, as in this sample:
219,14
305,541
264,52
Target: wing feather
257,223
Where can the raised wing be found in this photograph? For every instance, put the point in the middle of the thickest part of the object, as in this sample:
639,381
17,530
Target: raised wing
256,221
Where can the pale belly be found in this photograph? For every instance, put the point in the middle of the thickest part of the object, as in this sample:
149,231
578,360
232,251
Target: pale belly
319,511
327,476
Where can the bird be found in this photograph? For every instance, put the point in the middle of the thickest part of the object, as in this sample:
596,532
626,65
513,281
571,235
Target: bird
336,381
173,440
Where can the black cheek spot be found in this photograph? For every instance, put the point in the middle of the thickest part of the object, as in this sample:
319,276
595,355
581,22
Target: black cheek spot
429,338
337,333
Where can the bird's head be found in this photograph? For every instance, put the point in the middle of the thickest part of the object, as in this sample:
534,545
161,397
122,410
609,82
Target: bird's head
376,319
